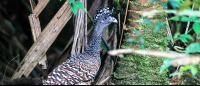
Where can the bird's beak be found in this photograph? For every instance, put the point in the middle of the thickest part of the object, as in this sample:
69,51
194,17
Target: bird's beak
113,20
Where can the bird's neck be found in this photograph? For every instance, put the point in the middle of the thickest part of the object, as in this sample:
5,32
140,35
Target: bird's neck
96,40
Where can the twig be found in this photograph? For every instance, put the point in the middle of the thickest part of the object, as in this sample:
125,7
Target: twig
88,14
24,2
179,58
148,52
85,25
188,24
169,31
6,68
122,30
40,6
33,5
105,80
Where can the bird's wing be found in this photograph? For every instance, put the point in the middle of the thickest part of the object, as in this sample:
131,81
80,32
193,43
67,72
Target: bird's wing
74,70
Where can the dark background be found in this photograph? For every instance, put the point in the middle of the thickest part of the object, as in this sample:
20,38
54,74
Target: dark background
14,25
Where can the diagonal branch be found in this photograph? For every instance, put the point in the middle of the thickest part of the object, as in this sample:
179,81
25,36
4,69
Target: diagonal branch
36,29
40,6
44,41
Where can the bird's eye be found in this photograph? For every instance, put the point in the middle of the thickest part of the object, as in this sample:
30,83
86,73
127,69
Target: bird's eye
105,17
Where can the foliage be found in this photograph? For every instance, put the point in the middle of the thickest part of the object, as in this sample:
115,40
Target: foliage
192,48
184,37
181,15
196,26
194,19
140,69
75,5
141,41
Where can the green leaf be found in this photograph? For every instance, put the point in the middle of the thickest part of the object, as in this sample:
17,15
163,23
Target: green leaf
147,21
194,18
136,32
183,19
199,65
103,46
196,27
72,1
194,70
197,20
141,42
166,64
130,20
187,36
162,44
185,5
131,40
176,35
184,68
80,5
74,9
168,38
153,1
175,3
158,25
197,4
163,5
163,41
193,48
186,19
183,39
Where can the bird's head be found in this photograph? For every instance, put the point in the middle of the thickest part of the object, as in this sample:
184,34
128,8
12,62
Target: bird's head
104,17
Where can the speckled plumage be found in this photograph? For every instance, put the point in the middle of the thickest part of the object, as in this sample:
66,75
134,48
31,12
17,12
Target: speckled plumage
102,11
83,66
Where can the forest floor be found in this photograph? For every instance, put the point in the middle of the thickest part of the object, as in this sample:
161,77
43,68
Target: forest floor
133,69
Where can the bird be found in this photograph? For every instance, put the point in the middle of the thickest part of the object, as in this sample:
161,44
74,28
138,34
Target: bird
84,66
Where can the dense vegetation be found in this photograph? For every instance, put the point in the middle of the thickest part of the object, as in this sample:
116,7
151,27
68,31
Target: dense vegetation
162,25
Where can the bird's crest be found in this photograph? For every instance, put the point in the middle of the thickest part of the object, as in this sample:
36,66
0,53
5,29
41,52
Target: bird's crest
102,11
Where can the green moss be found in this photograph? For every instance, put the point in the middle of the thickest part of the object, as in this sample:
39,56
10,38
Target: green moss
143,70
158,6
147,5
139,6
160,16
140,69
134,69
